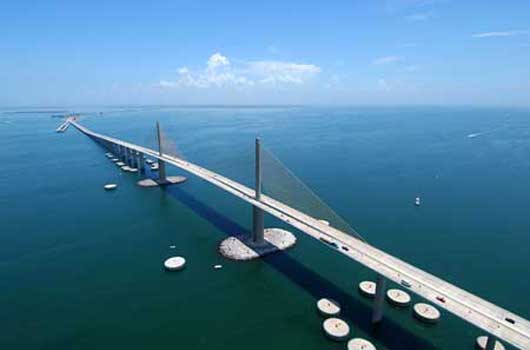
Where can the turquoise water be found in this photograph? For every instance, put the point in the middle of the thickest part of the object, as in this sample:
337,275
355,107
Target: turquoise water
81,268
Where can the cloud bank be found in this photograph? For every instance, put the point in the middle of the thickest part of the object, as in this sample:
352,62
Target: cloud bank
387,60
221,72
499,34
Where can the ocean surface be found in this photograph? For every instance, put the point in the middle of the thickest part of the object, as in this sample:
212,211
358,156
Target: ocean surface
81,268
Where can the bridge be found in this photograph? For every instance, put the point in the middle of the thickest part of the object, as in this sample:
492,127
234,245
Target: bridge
497,322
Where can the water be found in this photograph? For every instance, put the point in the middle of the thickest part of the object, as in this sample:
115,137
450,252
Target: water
81,268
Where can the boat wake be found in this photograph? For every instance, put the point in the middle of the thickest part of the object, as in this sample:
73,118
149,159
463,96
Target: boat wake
477,134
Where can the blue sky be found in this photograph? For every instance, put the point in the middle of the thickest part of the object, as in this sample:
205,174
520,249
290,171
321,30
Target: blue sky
443,52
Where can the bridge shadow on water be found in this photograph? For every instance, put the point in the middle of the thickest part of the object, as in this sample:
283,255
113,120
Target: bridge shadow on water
389,333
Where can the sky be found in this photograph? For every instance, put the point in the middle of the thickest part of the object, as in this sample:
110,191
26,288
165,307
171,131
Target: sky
335,52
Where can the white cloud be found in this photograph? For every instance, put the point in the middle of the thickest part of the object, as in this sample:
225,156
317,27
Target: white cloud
383,84
273,49
281,72
499,34
412,68
387,60
217,60
219,72
418,17
408,45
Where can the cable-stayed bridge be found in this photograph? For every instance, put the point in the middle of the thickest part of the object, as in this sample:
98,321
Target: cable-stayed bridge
494,320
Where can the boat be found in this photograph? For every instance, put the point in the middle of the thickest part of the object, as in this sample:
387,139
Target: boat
154,166
417,202
110,187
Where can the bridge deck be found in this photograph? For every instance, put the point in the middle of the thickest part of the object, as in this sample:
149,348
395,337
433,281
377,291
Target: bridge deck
479,312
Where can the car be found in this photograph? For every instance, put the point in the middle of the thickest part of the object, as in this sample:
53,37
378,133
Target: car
440,299
511,320
405,283
328,242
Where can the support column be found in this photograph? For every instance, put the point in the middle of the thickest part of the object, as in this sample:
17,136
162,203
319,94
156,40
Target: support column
134,158
123,154
140,162
128,156
257,213
377,308
490,344
161,164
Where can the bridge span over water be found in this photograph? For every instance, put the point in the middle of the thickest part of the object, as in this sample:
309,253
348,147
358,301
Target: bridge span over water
494,320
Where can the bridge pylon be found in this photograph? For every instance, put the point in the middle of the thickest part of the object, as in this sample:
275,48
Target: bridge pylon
257,213
161,165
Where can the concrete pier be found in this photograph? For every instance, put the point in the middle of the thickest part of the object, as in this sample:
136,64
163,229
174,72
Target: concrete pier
367,288
242,247
489,343
328,307
140,162
257,213
398,297
336,329
122,154
360,344
377,308
130,158
426,313
175,263
170,180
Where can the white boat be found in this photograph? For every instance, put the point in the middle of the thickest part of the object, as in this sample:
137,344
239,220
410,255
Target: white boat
149,161
154,166
417,202
110,187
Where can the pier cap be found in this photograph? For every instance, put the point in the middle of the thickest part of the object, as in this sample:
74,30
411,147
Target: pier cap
367,288
336,329
426,312
328,307
483,340
398,297
175,263
360,344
